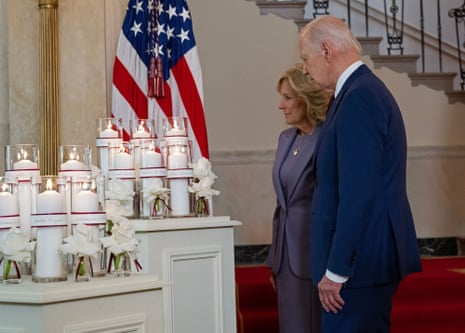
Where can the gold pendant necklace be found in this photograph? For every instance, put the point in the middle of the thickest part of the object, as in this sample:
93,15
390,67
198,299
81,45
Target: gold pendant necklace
300,138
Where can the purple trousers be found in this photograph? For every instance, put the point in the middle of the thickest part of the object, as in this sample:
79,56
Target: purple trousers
298,302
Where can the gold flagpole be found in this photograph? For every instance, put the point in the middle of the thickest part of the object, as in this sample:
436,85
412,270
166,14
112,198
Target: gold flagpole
49,97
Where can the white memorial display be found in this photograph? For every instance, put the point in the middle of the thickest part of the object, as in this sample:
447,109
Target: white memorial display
146,205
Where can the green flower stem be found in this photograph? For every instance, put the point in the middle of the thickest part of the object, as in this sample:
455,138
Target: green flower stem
200,206
81,269
117,261
6,273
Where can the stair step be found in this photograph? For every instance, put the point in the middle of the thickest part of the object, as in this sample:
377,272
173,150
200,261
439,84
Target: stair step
412,289
457,96
398,63
285,9
256,296
258,321
301,23
429,315
438,81
370,45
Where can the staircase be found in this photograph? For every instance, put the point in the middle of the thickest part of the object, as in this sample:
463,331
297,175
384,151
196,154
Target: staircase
442,81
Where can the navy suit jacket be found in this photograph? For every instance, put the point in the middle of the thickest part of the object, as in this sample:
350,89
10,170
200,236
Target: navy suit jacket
362,225
291,218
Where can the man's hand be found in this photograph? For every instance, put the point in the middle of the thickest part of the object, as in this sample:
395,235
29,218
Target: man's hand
330,296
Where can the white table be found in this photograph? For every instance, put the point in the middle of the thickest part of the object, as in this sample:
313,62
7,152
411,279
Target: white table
197,256
105,304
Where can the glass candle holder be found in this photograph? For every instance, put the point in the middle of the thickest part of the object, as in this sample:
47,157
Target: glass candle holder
150,155
109,133
121,156
8,197
142,128
175,127
24,157
75,160
85,196
177,153
49,228
22,163
123,264
49,192
109,128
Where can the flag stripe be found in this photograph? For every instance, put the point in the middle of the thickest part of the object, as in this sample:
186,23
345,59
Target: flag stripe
190,96
129,89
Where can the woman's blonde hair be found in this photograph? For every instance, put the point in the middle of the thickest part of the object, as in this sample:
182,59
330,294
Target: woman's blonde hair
315,98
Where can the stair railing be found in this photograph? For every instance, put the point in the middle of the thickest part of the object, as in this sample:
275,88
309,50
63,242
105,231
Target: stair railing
394,24
459,15
395,35
393,14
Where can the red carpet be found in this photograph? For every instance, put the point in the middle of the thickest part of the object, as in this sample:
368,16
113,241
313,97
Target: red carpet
426,302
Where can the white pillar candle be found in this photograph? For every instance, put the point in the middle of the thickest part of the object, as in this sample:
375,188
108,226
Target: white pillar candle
25,164
108,133
25,206
147,207
179,197
122,160
72,165
8,204
50,201
177,160
176,132
150,159
141,134
49,261
85,201
103,154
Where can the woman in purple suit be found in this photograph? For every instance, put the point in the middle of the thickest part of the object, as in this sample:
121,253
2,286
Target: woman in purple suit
304,107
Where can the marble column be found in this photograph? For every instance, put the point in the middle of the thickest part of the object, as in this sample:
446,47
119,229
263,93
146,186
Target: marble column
49,97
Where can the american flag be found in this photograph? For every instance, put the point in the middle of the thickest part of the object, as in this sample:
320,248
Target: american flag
159,32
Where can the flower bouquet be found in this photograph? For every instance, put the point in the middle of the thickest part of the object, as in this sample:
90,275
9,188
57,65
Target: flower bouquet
157,196
123,247
14,249
85,249
204,178
121,193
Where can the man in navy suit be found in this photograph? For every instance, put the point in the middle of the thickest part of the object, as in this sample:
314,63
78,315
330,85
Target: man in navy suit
363,236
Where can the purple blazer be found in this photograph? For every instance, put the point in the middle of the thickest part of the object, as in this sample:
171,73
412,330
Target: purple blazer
291,218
